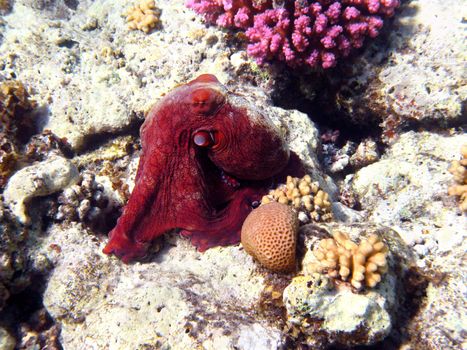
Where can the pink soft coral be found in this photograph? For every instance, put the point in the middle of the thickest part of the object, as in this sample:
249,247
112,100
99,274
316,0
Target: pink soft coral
300,32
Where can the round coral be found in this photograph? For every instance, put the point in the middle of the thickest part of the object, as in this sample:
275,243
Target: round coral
269,234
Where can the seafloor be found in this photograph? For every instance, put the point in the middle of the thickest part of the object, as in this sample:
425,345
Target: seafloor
379,133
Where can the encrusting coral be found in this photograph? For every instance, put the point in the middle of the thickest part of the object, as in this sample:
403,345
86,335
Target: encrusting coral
360,264
305,196
143,16
269,234
458,169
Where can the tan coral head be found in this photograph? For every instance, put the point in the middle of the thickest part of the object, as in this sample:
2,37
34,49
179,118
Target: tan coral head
303,195
144,16
360,264
269,234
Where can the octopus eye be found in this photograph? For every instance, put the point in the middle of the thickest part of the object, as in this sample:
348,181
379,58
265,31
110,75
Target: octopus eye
202,139
206,101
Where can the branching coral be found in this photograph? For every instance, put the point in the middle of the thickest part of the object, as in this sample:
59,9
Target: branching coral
458,169
360,264
301,32
269,234
304,195
144,16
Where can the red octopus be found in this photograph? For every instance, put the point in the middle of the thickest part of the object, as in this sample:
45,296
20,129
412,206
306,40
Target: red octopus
207,156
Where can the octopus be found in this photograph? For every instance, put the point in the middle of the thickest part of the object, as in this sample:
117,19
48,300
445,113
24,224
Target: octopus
207,158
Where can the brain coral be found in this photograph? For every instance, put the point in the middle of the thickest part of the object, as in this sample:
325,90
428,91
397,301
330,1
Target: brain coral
269,234
301,32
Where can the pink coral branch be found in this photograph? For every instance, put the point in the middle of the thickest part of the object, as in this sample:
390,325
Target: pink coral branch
301,32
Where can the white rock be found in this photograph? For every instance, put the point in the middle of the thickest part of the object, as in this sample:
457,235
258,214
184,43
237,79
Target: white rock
417,74
41,179
180,300
7,342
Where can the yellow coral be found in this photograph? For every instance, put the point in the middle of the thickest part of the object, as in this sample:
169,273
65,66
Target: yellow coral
302,194
143,16
361,264
458,169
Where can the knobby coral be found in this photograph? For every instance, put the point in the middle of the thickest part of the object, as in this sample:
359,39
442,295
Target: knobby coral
144,16
300,32
361,264
305,196
458,169
269,234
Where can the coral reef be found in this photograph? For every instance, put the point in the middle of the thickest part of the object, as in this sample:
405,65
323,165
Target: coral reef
144,16
305,196
15,105
13,259
5,6
325,312
361,264
386,86
365,154
7,341
458,169
338,158
39,331
41,179
323,316
300,33
211,140
269,234
8,157
87,202
44,145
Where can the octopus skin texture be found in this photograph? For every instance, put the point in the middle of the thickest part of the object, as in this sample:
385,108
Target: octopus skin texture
207,156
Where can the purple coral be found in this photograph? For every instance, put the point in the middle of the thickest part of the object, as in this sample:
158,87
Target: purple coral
300,32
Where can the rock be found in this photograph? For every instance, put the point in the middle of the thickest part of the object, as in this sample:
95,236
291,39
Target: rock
14,272
407,189
414,167
344,313
40,179
198,299
128,71
332,313
7,342
410,74
365,154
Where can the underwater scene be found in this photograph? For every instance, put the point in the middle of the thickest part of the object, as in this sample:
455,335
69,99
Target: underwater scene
233,174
